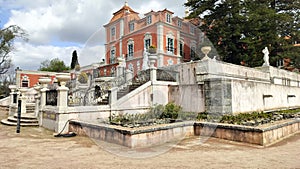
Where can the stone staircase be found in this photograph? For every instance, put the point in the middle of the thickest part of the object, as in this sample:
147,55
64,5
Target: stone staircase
128,89
27,120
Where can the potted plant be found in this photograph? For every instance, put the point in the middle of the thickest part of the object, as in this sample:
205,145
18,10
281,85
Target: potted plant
152,49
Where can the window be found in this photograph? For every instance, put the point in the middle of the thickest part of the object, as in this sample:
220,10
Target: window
25,81
147,43
147,40
149,19
168,18
130,48
131,26
181,45
170,45
112,55
179,23
113,31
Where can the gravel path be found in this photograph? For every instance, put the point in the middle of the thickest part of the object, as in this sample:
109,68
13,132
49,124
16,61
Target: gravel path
37,148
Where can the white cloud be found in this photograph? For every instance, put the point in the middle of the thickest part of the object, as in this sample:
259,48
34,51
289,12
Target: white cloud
52,23
29,57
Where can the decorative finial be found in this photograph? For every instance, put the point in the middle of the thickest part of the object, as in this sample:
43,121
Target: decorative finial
126,2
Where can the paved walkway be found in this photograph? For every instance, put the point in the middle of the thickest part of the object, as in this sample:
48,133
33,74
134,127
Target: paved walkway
37,148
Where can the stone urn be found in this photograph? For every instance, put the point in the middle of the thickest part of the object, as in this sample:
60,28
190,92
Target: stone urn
23,90
152,50
205,50
63,78
44,81
12,88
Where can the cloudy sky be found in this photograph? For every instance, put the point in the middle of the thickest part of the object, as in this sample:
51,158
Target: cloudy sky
57,27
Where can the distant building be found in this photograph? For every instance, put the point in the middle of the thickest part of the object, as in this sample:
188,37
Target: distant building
128,35
29,78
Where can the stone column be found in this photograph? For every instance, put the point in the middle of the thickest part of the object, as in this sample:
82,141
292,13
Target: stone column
23,100
121,67
62,103
37,100
62,100
152,60
12,105
113,96
44,82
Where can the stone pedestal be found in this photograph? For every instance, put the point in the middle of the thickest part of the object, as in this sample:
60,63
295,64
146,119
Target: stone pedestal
121,67
44,84
62,100
62,103
152,60
113,96
12,104
23,100
37,99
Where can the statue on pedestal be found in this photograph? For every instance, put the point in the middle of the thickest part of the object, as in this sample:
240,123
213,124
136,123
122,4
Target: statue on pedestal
265,51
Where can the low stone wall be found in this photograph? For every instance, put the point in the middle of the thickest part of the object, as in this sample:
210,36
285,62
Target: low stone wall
253,135
134,138
155,135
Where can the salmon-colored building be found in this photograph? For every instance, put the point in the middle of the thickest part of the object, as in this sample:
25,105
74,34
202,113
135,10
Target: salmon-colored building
128,35
29,78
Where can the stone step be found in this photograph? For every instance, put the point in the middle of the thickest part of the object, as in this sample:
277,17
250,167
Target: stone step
14,119
26,116
9,123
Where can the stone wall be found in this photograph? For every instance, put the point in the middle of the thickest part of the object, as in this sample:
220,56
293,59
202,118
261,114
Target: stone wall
263,136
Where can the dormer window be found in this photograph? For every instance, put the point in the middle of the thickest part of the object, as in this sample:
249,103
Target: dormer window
149,19
179,23
131,27
168,18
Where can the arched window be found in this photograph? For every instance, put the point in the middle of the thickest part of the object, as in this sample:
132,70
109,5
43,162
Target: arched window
147,40
130,48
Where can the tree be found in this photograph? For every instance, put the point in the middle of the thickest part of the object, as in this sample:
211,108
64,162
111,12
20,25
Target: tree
74,59
240,29
7,37
55,65
7,79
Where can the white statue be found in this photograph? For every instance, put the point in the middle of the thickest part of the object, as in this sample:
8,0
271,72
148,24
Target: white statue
145,60
265,51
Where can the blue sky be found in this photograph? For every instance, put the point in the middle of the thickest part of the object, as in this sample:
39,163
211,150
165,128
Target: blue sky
56,28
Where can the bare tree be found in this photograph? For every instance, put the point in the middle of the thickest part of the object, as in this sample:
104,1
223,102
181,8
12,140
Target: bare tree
7,37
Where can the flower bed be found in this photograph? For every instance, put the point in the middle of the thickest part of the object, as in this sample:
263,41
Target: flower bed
250,119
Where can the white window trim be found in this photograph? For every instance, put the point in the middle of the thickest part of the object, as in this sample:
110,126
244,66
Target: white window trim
171,36
146,37
113,37
170,18
130,42
149,21
25,78
131,23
